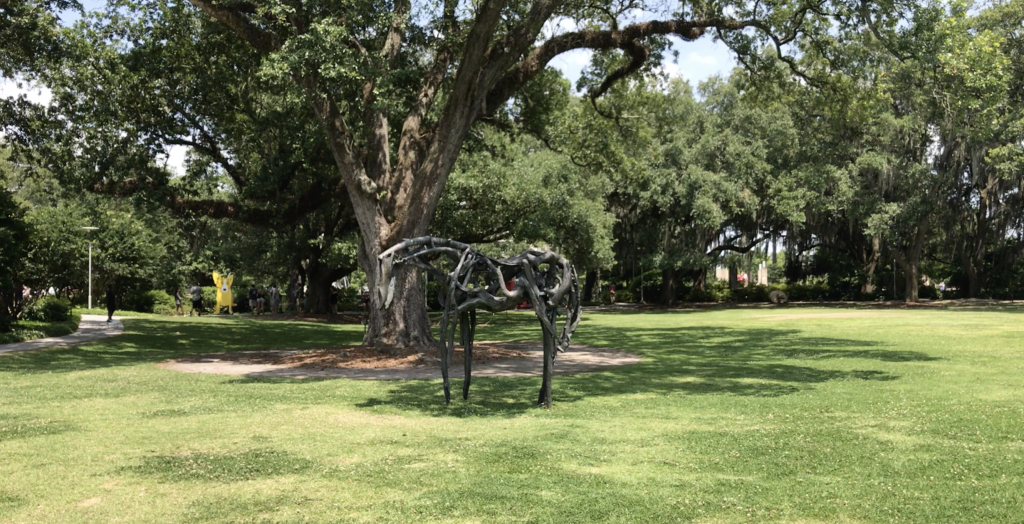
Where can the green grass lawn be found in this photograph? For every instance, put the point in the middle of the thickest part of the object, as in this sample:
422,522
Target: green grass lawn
767,415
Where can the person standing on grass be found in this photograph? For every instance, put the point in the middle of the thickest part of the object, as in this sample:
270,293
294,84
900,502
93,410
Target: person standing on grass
261,299
179,308
252,298
334,301
197,300
275,298
111,303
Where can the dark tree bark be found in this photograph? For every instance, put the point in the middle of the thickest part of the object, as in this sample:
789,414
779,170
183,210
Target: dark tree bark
909,260
588,286
700,277
669,277
405,323
869,262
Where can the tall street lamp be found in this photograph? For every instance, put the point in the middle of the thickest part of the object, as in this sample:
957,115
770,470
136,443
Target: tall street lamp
90,228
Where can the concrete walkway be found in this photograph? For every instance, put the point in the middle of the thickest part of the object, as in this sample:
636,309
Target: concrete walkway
92,327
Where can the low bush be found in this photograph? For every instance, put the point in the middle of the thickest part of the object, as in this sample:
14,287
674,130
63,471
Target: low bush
806,292
31,330
163,302
755,293
625,296
715,291
153,301
49,309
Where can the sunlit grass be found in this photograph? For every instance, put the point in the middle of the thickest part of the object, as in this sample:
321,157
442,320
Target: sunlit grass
787,415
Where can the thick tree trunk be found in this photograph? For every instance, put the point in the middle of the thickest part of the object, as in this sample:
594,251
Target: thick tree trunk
734,282
975,277
588,286
910,276
668,286
700,278
319,278
405,322
870,262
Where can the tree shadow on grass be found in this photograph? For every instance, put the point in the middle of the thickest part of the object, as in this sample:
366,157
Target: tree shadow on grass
146,340
713,360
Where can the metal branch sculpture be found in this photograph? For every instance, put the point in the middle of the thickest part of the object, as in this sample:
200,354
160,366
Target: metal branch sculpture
543,278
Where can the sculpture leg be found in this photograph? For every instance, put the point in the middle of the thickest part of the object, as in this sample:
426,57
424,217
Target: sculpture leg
545,386
445,321
467,351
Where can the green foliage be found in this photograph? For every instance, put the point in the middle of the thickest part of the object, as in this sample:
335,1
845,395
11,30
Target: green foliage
754,293
715,291
49,309
512,188
15,238
624,296
30,329
805,292
158,302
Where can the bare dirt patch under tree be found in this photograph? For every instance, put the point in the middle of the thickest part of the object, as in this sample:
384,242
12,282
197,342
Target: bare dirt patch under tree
508,359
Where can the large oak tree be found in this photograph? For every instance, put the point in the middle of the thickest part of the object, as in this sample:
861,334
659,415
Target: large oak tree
396,86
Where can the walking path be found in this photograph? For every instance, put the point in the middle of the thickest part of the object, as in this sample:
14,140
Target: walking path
92,327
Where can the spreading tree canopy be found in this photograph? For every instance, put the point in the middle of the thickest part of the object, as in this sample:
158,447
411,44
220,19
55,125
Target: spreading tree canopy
386,91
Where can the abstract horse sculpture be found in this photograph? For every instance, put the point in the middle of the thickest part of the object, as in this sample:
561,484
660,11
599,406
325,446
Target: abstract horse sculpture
477,281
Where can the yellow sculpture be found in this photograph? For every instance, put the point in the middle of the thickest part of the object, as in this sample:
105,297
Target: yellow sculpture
224,298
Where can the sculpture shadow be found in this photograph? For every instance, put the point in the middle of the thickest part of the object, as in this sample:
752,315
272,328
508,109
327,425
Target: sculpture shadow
709,360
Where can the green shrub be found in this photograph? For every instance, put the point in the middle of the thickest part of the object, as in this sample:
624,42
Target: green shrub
153,301
805,292
625,296
163,302
31,330
49,309
928,292
715,291
756,293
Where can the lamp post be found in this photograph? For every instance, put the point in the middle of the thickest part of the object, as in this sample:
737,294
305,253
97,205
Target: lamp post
90,228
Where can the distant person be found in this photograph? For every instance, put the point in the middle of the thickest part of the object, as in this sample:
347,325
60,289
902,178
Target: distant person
334,301
275,298
179,308
611,293
111,303
197,300
260,300
252,299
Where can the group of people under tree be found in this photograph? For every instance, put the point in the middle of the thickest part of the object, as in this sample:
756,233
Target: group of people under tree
257,297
